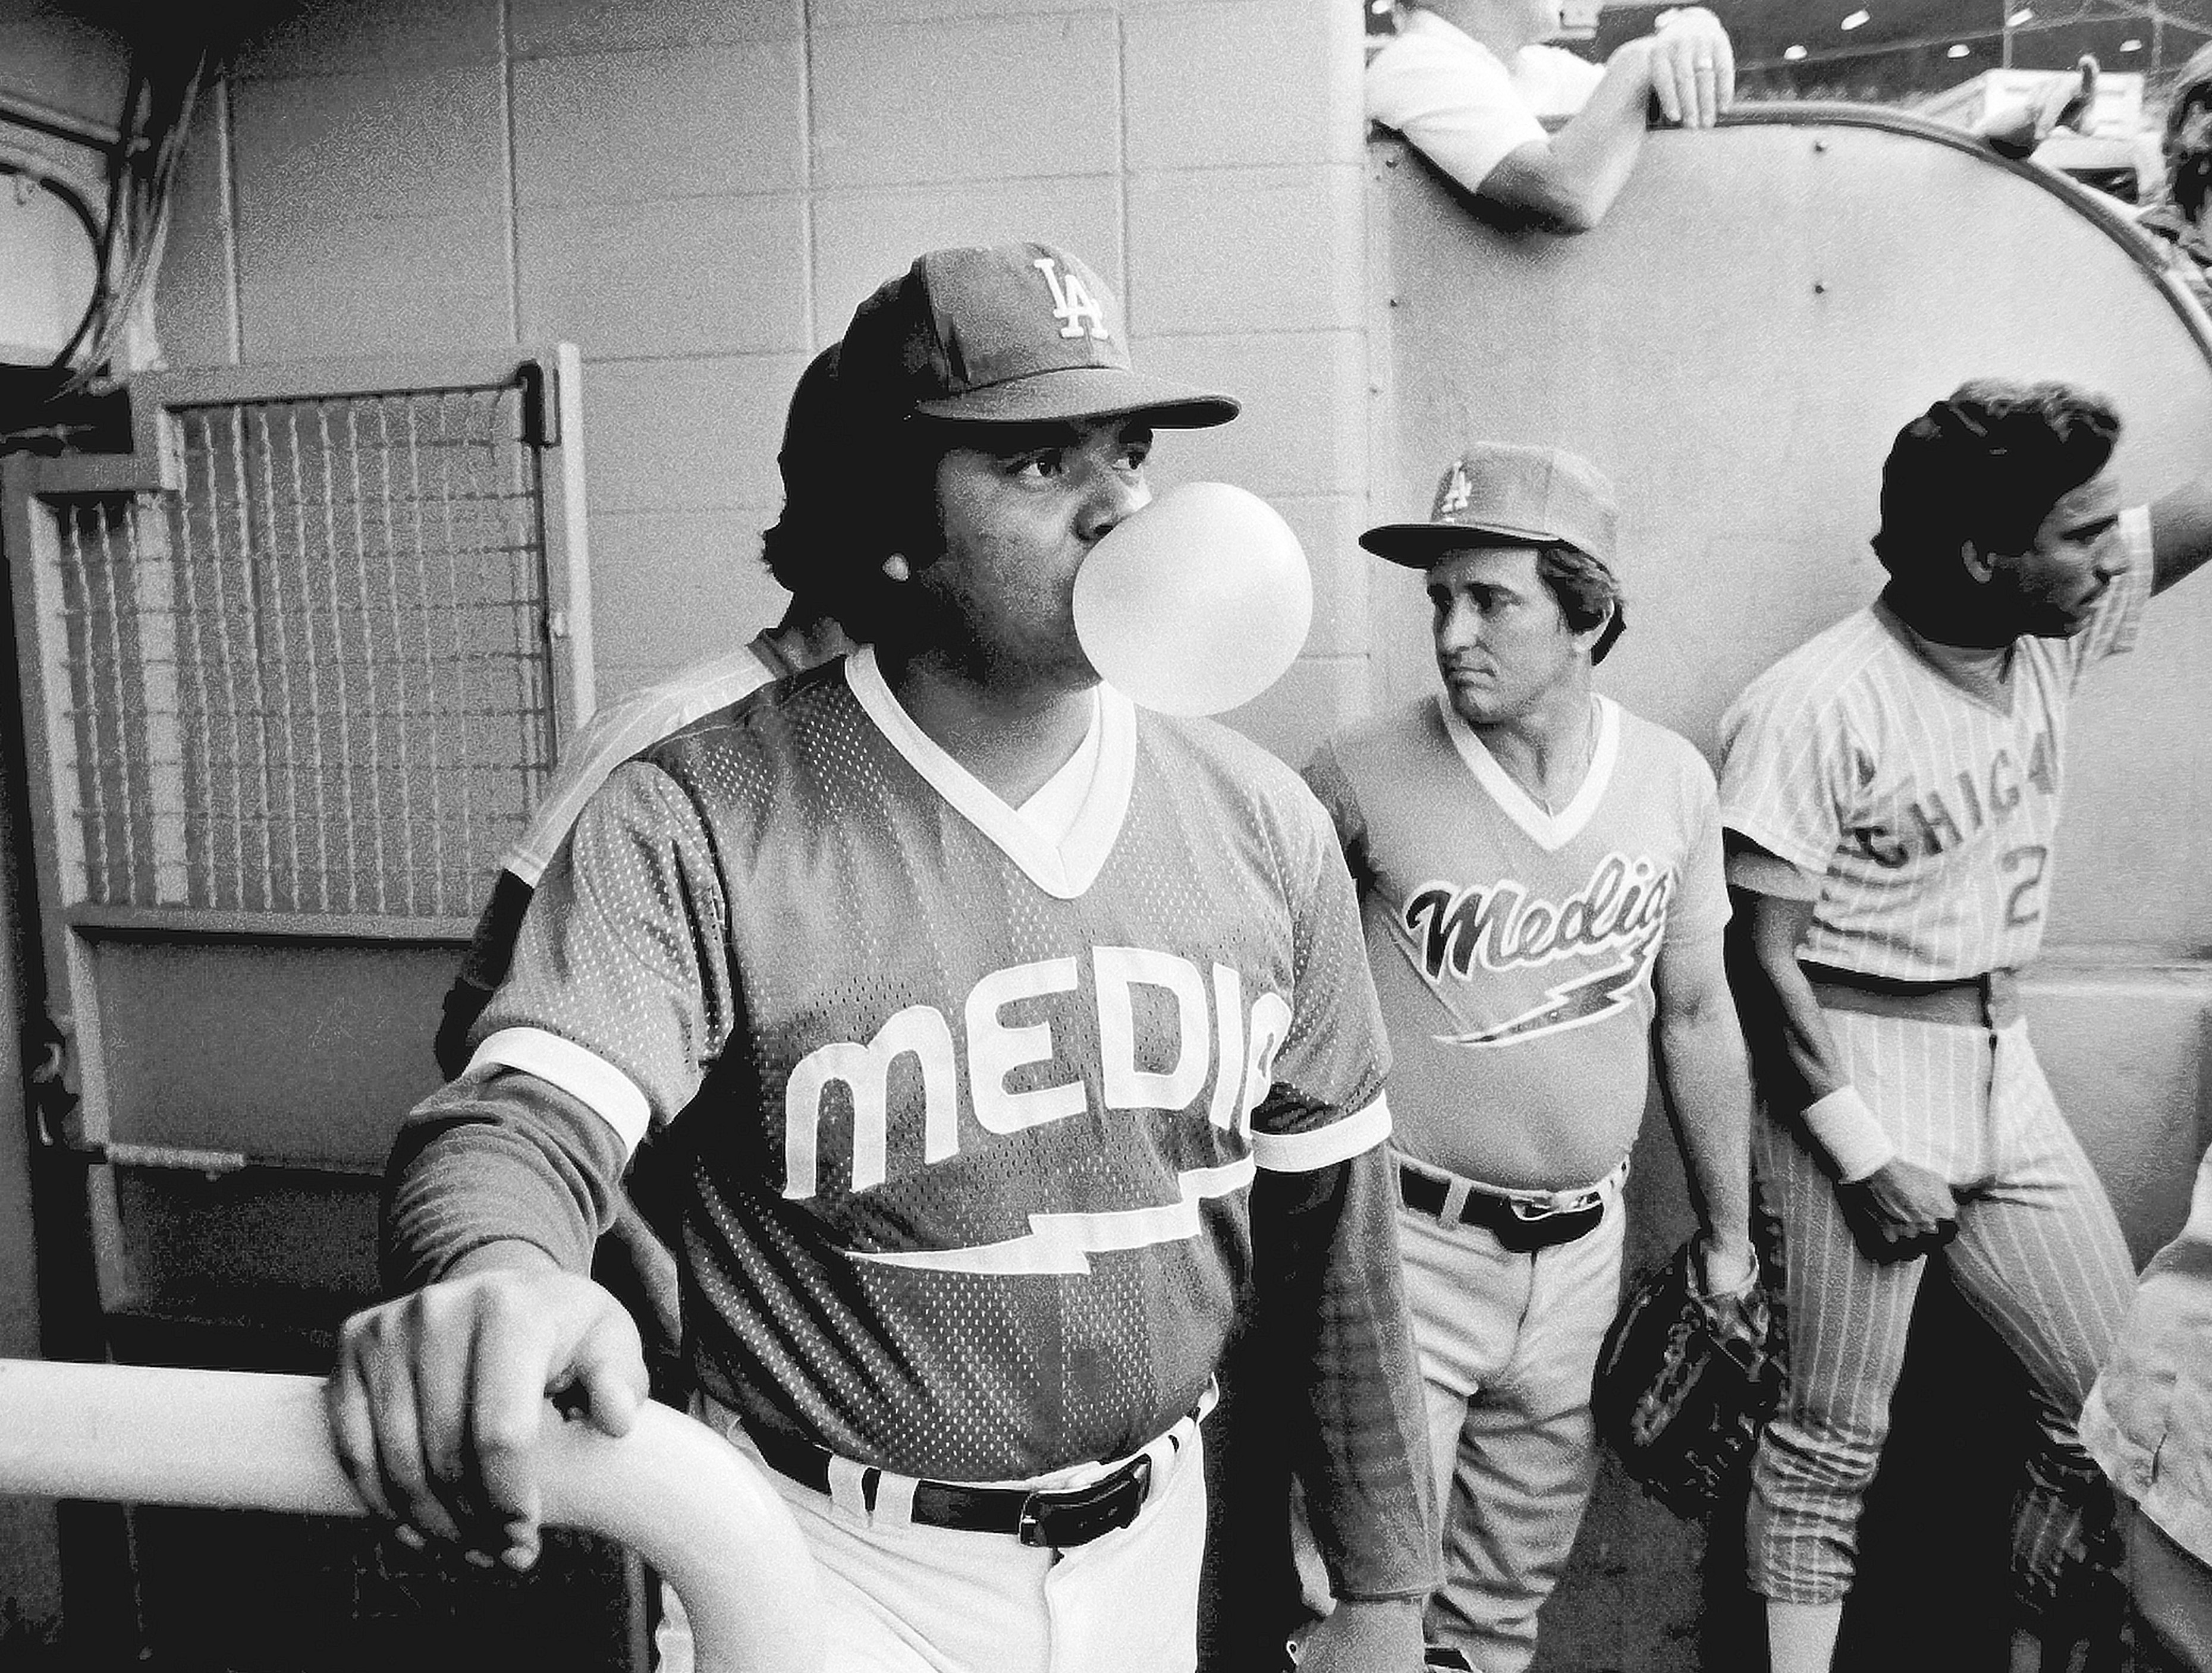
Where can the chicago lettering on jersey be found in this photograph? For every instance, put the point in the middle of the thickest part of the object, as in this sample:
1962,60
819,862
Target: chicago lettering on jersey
1938,818
1501,927
1222,1048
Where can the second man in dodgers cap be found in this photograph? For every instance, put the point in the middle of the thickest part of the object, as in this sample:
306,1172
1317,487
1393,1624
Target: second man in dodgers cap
1001,1023
1541,882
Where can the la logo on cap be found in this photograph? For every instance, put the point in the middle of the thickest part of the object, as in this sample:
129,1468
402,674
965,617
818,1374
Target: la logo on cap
1454,500
1073,304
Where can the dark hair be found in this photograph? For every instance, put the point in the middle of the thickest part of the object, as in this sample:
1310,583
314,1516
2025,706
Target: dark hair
1986,464
1587,592
858,486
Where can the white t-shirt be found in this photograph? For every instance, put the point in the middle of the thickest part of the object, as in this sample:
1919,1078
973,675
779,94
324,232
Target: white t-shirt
1464,107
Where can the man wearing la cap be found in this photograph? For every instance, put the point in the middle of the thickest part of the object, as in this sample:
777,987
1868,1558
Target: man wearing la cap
999,1023
1541,878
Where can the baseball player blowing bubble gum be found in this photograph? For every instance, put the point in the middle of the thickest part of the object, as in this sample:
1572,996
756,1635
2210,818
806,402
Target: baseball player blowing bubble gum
1889,797
997,1024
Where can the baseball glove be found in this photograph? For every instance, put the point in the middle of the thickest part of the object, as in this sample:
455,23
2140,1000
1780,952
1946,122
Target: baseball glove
1685,1386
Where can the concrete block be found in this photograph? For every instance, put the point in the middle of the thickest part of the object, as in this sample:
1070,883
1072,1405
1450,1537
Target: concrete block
987,99
537,28
863,237
669,587
663,435
864,13
381,37
418,144
2124,1049
1312,700
1248,250
1304,429
372,285
627,127
701,276
1246,85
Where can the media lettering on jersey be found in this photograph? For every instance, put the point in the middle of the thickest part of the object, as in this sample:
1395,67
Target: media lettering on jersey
1217,1054
1501,926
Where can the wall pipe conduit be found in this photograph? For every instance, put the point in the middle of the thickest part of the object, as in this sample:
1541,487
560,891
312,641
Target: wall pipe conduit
699,1514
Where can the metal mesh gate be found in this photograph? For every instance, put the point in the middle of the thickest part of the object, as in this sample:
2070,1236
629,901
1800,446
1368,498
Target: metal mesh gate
314,681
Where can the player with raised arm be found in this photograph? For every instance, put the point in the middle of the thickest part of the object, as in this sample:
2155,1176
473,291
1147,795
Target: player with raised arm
1470,83
997,1023
1890,793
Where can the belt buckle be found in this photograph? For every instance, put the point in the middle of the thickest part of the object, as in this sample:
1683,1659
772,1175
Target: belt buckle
1076,1516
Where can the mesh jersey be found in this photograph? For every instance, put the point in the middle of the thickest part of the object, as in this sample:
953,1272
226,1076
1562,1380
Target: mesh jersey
1512,948
1927,812
969,1119
624,728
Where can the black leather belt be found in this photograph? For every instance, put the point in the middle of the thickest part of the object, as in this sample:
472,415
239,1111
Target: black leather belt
1519,1228
1990,1000
1061,1518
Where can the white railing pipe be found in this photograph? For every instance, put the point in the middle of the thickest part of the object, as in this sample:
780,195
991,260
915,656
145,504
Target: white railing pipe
672,1490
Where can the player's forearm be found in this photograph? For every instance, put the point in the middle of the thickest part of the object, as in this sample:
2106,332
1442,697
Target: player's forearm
1801,1070
499,1163
1708,1083
1569,180
1337,1303
1786,1034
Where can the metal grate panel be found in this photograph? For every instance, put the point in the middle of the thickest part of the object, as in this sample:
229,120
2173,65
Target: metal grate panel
315,681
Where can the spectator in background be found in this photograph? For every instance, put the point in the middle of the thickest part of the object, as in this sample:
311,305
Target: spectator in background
2177,218
2148,1425
1469,83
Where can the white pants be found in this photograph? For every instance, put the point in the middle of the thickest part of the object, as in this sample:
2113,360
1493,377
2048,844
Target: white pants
1508,1344
902,1598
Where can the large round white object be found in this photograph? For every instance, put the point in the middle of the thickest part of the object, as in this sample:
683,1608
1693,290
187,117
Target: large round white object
1196,604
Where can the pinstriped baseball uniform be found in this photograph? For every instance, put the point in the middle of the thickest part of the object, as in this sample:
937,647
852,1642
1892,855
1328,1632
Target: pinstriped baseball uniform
1927,811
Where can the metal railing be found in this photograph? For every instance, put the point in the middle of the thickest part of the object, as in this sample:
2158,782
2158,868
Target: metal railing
699,1514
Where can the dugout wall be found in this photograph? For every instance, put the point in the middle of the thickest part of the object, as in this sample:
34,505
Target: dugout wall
1737,346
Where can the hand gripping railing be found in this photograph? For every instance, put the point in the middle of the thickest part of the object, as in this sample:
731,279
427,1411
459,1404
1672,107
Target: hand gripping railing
672,1490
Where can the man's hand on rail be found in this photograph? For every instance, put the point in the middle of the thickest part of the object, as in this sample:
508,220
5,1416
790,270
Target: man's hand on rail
1693,67
438,1397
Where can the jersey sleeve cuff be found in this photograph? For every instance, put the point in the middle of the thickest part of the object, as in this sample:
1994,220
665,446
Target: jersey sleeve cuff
1763,872
1843,1125
583,1075
1791,851
1324,1147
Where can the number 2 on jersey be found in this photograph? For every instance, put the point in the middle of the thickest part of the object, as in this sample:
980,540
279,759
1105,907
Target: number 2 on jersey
2021,905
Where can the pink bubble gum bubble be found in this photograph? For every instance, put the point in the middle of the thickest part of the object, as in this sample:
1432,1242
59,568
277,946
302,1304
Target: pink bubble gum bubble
1196,604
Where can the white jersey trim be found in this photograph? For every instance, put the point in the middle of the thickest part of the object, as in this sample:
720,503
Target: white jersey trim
582,1074
1065,869
1324,1147
620,730
1065,1242
1548,831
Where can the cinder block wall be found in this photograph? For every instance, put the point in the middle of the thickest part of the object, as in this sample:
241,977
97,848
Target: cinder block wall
699,191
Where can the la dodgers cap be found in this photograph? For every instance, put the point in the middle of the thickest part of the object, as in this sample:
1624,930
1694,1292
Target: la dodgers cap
1498,494
1017,333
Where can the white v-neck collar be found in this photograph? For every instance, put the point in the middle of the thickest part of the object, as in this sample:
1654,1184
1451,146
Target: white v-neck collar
1549,831
1064,869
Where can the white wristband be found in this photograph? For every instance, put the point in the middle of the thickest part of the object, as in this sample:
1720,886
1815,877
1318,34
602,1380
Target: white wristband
1843,1125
